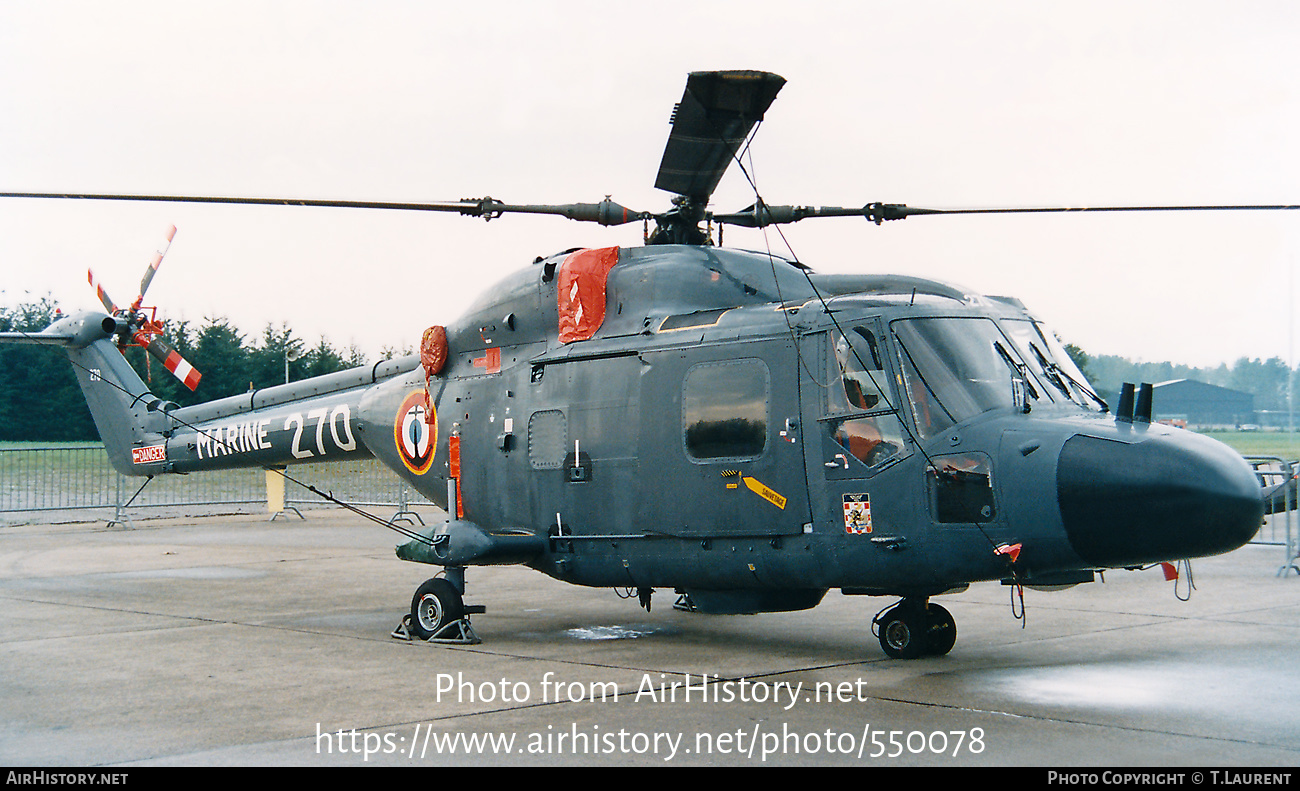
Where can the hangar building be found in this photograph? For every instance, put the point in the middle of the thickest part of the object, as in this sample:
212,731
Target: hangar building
1202,404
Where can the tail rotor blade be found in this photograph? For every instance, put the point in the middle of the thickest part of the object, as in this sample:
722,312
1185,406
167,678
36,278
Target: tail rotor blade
154,264
101,293
173,362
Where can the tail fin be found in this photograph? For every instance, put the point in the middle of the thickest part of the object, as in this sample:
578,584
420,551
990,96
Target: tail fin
125,412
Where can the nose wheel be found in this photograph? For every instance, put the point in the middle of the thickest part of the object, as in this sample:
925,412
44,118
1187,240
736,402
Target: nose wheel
915,628
435,605
439,615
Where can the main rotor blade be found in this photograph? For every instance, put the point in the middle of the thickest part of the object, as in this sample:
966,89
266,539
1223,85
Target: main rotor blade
761,216
715,115
878,212
607,212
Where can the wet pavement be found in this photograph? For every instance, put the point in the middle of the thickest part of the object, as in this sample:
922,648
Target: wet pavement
238,641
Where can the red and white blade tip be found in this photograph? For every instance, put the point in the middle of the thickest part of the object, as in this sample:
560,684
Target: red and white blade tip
99,292
182,370
175,363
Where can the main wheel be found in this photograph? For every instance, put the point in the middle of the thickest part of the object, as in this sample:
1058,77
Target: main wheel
436,603
941,631
903,631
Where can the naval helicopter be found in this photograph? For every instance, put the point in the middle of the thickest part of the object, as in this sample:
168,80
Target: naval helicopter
725,424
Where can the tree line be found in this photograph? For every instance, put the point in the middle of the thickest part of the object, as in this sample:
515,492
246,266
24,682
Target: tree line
1267,379
41,401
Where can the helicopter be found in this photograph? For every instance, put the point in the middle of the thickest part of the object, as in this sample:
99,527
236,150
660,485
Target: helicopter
726,424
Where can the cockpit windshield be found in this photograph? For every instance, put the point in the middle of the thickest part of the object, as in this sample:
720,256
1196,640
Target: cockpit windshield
957,368
1050,362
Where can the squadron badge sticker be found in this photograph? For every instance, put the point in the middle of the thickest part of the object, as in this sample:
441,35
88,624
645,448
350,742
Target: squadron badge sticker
416,433
857,514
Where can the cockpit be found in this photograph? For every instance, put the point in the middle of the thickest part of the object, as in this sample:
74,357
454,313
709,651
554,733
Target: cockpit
950,369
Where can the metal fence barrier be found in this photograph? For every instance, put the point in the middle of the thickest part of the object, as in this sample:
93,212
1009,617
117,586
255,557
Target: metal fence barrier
66,482
1280,528
78,477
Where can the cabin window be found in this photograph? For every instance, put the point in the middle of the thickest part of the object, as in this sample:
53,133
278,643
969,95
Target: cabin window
724,410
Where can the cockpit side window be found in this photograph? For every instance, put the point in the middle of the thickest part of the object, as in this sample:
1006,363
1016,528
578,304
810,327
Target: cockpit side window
863,419
859,371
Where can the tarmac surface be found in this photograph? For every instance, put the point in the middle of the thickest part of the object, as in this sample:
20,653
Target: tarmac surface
236,641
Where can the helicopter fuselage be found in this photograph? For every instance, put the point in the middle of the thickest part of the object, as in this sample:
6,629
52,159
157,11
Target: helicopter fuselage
729,429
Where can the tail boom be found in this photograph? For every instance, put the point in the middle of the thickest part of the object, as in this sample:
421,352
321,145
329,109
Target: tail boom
307,421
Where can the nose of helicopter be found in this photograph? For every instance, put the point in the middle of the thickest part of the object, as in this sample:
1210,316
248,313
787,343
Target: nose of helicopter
1167,497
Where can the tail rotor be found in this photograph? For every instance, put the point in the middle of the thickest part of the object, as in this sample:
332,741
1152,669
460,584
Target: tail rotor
139,325
152,269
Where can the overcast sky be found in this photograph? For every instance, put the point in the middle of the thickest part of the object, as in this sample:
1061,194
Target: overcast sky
934,104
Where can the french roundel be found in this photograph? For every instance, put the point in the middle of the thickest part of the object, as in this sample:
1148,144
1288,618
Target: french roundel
416,433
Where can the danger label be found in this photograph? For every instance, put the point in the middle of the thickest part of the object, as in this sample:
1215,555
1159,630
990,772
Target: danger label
857,514
148,455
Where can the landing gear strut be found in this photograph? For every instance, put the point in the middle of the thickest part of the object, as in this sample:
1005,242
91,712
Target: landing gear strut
915,628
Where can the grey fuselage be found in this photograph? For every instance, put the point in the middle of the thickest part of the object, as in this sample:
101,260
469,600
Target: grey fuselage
592,444
735,426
